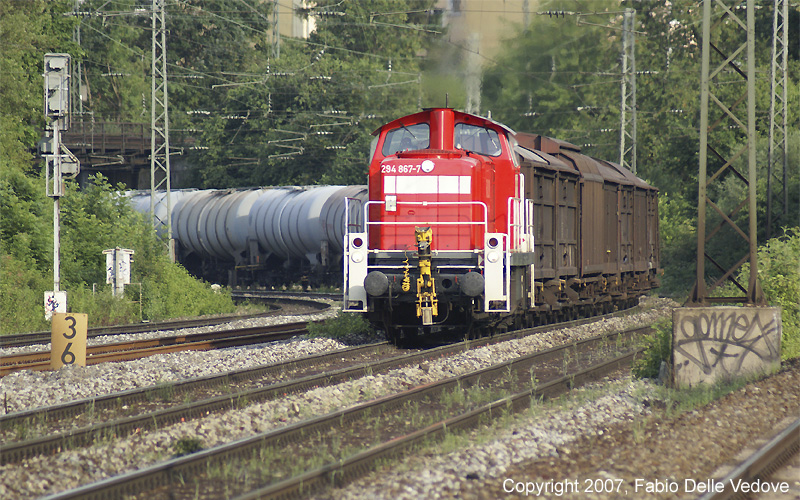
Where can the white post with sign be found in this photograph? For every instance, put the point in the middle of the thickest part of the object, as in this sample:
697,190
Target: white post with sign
118,269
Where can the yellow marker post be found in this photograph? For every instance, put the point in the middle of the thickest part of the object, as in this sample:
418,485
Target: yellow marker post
68,340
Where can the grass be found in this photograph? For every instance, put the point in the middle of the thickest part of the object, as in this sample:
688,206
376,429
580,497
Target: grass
340,326
679,401
187,445
659,348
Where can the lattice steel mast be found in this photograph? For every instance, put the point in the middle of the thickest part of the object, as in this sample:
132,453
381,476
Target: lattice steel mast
723,164
778,154
159,124
627,130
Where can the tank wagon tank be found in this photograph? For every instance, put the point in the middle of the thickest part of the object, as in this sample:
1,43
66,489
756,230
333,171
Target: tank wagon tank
266,236
471,226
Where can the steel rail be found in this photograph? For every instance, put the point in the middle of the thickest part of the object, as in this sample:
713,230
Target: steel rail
761,463
24,339
126,351
34,338
68,410
163,473
133,396
16,451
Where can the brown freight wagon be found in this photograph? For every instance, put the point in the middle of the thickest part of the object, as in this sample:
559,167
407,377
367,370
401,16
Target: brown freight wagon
596,228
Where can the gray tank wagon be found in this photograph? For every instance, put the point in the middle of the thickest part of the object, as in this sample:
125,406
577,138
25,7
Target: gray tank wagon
264,236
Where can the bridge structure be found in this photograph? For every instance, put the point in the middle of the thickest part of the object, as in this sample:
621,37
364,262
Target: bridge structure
118,150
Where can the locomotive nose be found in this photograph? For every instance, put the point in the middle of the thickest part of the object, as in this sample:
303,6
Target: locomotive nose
376,283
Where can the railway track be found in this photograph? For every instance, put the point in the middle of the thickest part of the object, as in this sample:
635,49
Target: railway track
46,432
292,439
272,299
759,466
125,351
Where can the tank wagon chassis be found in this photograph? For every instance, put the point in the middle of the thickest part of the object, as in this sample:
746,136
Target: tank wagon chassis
515,231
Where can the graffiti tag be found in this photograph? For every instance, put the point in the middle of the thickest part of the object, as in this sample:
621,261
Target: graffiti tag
709,343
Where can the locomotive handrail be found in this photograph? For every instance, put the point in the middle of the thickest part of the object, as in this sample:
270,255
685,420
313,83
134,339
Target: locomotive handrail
351,225
522,225
480,204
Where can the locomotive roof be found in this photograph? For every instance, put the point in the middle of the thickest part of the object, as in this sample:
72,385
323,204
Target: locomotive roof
459,115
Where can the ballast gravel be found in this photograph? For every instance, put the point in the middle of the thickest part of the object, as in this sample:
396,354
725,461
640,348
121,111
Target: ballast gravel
330,312
69,469
611,440
547,432
27,389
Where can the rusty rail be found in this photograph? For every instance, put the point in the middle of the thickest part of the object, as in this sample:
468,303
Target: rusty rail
761,463
126,351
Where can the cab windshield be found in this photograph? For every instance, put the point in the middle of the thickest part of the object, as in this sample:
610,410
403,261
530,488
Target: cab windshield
408,138
474,139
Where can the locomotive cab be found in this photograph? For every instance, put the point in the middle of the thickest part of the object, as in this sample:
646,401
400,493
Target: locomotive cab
445,214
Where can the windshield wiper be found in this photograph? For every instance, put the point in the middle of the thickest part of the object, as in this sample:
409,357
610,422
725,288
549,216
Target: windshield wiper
408,130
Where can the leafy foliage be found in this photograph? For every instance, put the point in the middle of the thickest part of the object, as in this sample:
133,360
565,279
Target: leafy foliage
257,119
779,277
102,308
306,117
677,221
21,290
561,79
93,220
28,30
186,445
170,291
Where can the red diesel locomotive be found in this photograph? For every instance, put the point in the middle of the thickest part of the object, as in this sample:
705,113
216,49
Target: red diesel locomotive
472,226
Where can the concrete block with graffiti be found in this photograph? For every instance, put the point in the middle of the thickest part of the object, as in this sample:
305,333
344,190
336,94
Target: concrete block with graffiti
711,343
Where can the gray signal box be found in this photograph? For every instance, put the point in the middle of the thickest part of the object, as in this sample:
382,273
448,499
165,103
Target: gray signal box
56,90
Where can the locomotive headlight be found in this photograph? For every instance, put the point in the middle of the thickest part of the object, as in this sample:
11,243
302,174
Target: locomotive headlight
492,256
357,257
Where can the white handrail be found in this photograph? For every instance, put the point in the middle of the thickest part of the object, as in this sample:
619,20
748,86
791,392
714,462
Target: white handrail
520,219
480,204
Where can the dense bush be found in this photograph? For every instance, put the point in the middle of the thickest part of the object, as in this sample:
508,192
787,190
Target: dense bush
659,348
92,220
170,291
779,276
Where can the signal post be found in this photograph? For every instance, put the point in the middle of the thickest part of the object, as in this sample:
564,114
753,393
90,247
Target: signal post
60,163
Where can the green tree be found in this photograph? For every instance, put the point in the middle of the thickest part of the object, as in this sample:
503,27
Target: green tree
558,79
93,220
306,117
779,277
28,30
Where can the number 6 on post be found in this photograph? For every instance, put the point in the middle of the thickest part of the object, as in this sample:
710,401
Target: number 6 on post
68,340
